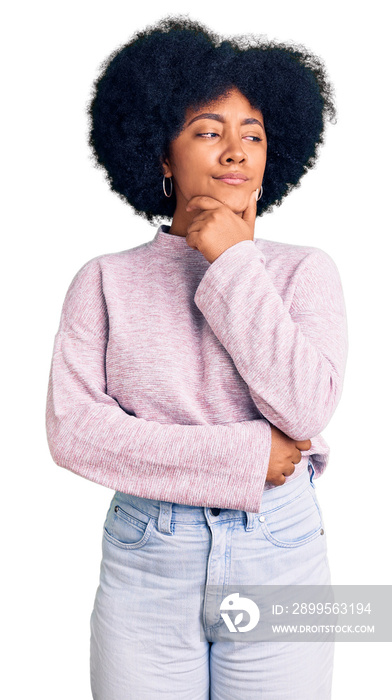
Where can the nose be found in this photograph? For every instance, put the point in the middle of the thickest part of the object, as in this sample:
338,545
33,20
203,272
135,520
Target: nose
232,151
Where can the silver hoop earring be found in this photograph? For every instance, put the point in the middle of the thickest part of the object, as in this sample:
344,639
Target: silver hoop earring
261,192
164,186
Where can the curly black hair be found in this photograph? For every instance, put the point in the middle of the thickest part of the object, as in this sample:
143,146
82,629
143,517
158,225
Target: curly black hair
139,100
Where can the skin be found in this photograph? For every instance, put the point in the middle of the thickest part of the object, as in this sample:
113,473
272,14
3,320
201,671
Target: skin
224,137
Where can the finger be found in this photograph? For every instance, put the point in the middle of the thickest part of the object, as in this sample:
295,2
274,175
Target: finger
191,233
203,202
289,470
303,445
249,215
202,215
298,458
190,239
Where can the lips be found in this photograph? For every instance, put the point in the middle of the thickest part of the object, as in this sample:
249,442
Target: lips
232,178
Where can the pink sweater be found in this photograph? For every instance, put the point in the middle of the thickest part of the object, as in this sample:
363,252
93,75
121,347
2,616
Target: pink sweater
167,371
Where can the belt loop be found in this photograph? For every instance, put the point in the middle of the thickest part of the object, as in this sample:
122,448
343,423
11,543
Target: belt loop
250,524
164,518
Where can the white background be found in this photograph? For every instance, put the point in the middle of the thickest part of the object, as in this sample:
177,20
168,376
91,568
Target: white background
59,213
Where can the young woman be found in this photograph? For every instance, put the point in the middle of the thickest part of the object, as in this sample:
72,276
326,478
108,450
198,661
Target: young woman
194,374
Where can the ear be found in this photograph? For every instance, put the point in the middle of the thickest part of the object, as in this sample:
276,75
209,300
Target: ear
166,168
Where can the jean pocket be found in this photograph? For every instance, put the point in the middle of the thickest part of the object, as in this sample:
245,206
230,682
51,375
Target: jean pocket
126,526
294,523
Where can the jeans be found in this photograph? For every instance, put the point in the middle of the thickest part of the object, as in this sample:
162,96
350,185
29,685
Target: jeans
150,636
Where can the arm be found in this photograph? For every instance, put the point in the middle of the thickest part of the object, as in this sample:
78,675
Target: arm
89,433
291,355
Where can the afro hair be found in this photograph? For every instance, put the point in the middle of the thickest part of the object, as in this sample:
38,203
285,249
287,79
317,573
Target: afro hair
139,100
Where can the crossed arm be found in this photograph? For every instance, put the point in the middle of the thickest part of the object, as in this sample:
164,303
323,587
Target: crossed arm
294,377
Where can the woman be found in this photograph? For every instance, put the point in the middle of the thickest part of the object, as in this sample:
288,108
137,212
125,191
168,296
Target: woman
194,374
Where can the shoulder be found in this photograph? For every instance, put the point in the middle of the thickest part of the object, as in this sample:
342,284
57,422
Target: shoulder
288,259
301,272
99,267
96,278
275,251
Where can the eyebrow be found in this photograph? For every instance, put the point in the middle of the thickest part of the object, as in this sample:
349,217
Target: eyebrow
219,118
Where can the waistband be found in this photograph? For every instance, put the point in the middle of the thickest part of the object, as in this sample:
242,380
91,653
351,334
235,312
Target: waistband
166,513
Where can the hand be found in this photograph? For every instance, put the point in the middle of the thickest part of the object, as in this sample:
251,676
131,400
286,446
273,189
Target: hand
215,227
285,454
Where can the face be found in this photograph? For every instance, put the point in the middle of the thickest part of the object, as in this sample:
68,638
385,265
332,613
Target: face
221,152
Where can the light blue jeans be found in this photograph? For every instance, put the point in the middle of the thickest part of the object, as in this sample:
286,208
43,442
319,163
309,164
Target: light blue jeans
148,618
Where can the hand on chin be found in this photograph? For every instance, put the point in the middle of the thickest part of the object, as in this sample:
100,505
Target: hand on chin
215,226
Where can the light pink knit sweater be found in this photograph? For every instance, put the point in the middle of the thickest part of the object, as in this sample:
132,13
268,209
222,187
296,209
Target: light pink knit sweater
168,370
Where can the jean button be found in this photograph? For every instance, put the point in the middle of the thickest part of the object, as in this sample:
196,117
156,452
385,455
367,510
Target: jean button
215,511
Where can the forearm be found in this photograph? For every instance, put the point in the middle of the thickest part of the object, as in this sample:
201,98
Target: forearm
292,356
211,465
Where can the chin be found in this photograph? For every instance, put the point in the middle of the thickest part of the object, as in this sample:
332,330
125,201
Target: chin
237,205
236,201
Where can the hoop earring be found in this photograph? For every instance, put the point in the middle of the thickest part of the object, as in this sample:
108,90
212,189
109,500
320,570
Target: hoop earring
164,186
261,192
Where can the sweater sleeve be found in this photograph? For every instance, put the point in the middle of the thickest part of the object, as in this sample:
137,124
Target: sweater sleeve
90,434
292,355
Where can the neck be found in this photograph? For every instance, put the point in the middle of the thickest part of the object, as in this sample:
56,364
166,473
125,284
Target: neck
181,218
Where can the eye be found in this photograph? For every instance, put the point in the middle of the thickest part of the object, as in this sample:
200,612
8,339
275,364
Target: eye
208,134
254,138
